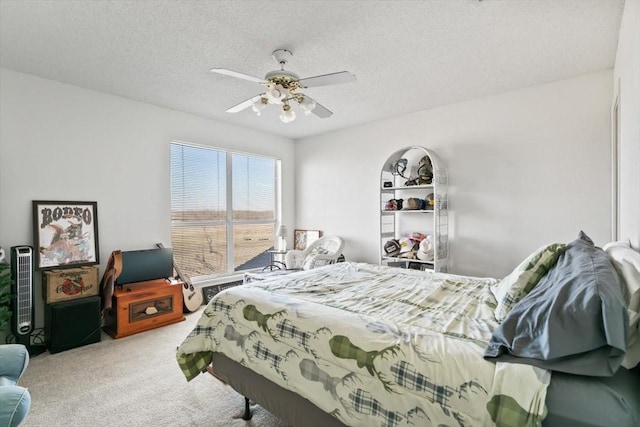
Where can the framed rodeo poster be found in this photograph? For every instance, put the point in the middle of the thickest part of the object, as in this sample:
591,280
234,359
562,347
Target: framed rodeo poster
65,234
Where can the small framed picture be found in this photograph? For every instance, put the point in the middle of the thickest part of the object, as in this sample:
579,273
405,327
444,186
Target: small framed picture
65,234
301,238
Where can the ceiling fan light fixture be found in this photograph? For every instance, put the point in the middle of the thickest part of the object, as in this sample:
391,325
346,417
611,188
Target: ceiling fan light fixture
307,105
276,93
288,115
260,105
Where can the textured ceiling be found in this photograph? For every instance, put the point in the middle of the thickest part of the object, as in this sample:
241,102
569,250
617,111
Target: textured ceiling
407,55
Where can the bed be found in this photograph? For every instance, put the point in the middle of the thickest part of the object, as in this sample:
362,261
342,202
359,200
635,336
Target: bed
364,345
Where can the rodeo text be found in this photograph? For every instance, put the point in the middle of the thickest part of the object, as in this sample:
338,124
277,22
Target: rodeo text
49,215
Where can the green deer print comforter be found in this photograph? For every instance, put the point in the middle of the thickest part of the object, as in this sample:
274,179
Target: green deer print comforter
373,346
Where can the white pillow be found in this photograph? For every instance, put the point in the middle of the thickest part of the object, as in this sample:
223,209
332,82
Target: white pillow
631,277
625,243
630,273
627,261
632,356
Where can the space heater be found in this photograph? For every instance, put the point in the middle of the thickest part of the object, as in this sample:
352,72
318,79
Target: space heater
23,306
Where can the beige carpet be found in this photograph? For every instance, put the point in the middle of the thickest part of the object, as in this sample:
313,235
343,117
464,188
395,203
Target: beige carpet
132,381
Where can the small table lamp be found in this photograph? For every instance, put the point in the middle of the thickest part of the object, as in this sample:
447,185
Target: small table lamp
281,235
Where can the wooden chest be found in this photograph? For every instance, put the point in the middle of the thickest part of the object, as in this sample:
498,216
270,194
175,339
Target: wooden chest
142,306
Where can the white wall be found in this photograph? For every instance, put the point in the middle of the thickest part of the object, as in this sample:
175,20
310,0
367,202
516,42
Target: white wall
526,168
626,78
62,142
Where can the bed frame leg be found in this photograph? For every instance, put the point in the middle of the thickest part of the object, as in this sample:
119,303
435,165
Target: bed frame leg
247,409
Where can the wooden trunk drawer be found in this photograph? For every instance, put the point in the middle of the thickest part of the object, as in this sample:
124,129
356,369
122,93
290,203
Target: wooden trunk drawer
142,306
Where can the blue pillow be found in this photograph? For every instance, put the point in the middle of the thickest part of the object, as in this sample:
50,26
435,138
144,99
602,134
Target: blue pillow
575,320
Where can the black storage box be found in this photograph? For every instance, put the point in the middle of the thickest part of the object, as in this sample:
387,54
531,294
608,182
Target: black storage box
71,324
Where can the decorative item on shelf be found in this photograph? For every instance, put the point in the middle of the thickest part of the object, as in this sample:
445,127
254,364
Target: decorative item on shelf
425,249
281,236
413,203
417,236
387,184
405,247
394,205
408,247
429,202
392,247
400,167
425,171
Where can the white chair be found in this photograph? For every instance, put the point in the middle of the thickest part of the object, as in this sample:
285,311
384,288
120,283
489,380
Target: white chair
323,251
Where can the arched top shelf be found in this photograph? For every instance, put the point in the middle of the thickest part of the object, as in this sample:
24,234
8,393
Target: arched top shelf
412,155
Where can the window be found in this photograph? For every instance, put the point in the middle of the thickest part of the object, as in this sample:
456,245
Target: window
223,210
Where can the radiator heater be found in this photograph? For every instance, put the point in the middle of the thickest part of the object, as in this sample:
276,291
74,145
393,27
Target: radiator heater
23,308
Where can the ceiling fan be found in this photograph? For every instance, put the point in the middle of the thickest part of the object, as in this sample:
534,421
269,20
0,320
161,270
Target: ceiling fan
283,88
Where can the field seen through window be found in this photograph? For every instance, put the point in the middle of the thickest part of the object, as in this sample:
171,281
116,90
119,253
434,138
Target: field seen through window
200,249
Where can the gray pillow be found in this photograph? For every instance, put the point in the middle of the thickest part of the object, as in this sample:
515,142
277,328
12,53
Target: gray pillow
574,320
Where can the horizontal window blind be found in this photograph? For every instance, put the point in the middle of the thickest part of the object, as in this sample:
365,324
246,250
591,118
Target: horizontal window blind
223,210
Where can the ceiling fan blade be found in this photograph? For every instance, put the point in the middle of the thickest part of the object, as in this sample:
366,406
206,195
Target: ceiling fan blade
237,75
328,79
321,111
244,104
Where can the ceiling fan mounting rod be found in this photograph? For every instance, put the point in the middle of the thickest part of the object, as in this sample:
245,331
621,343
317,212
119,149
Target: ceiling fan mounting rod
282,57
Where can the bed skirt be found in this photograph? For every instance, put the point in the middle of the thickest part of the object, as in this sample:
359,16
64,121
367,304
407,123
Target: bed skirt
286,405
